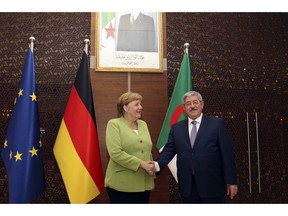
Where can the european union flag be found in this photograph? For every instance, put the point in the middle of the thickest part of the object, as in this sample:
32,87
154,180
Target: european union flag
22,150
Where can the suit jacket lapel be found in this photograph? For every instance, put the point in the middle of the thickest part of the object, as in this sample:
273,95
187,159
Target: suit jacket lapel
185,130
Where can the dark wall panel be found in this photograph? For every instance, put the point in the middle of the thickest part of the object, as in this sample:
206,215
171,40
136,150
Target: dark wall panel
239,64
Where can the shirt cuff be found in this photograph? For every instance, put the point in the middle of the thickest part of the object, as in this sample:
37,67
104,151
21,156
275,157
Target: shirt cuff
157,166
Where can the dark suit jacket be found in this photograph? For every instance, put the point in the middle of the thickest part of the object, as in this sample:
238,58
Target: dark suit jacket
139,36
211,159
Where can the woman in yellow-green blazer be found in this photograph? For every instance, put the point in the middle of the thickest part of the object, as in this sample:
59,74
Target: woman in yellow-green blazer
129,177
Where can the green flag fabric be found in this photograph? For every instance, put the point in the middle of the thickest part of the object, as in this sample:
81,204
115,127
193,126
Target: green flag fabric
175,110
108,31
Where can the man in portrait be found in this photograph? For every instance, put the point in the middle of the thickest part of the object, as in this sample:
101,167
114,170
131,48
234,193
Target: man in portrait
136,32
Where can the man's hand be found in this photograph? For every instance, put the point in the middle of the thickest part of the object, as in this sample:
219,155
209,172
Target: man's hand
232,190
149,167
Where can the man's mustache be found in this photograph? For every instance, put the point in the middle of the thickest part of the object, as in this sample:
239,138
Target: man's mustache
192,109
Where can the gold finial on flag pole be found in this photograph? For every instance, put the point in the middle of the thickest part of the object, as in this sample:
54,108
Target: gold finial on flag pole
86,41
31,45
186,46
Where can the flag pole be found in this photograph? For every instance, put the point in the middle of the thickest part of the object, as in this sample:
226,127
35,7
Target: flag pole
81,171
186,46
86,41
31,45
26,176
175,108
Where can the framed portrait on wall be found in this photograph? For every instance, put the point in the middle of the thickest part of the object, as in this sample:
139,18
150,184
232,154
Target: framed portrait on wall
130,41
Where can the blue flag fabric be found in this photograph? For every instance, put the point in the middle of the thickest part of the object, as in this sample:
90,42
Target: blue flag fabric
22,151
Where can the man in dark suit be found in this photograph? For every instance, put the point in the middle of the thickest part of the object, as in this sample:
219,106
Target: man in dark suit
136,32
206,168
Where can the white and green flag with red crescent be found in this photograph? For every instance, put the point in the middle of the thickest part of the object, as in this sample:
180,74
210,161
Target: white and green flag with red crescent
108,32
175,111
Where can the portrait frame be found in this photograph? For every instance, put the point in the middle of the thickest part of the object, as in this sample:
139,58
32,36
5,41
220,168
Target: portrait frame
138,55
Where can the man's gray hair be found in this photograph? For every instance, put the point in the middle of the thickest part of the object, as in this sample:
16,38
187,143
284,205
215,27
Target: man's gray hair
190,93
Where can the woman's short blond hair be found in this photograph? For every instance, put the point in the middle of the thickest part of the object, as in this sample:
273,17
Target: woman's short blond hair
125,99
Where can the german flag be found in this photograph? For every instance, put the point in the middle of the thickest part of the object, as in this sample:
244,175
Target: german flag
76,148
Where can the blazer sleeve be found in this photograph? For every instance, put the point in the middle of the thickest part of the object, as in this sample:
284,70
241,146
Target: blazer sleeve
168,152
228,157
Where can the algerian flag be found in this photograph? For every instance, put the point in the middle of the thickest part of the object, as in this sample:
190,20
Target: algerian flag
175,110
108,30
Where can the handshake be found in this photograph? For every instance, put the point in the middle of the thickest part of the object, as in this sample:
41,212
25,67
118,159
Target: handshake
149,167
